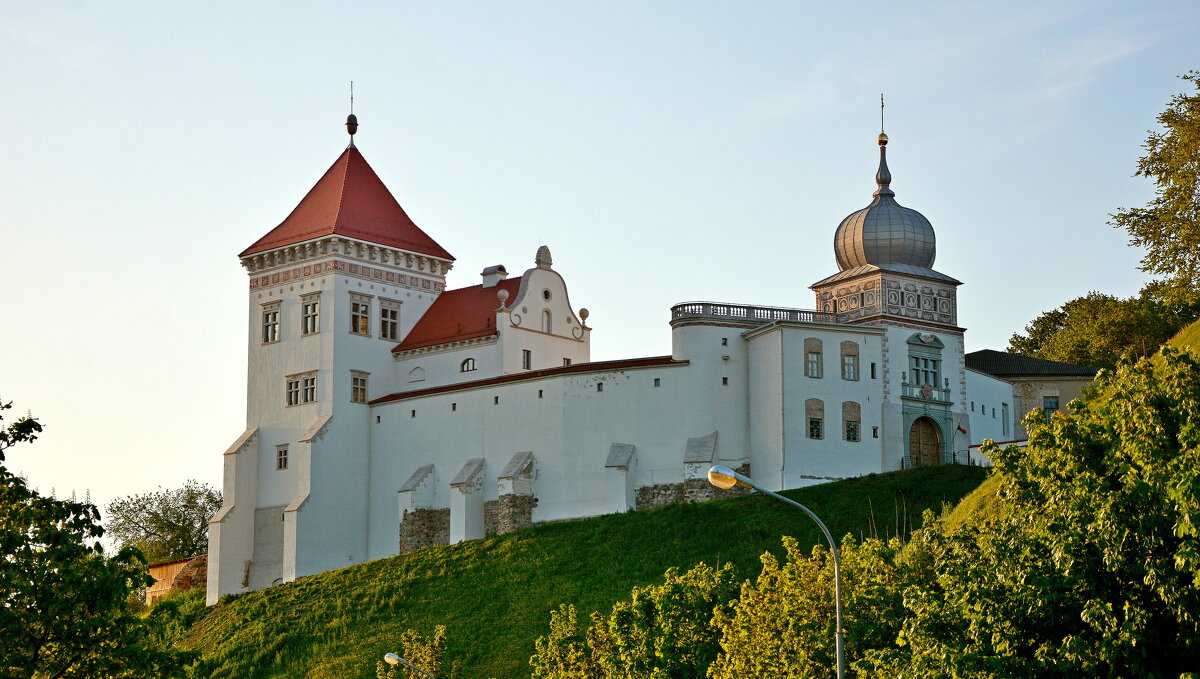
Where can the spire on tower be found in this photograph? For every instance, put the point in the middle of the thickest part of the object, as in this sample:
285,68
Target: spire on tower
883,177
351,120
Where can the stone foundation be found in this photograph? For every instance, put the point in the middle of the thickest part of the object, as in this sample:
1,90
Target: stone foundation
514,512
424,528
691,490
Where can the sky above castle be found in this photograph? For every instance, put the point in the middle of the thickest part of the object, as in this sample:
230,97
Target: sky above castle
665,152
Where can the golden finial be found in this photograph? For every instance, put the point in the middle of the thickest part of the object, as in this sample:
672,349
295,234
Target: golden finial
882,138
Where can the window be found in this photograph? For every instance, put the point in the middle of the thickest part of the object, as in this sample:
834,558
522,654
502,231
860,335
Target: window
301,389
309,388
872,371
874,432
310,314
814,428
1004,418
1049,405
972,406
358,387
851,421
495,400
467,365
281,457
453,407
547,322
539,393
724,341
812,357
360,314
412,414
389,320
725,381
850,361
814,411
566,361
850,368
599,386
526,359
993,412
657,382
270,322
925,371
852,430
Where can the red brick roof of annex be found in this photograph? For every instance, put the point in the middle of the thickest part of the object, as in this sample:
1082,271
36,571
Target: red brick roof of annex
599,366
350,200
460,314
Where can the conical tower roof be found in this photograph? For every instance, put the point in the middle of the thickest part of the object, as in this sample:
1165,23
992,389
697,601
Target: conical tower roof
350,200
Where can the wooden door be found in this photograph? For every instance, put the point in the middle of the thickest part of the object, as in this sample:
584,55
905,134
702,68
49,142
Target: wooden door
923,448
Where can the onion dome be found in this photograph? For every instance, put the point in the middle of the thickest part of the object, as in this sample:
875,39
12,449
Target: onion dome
884,234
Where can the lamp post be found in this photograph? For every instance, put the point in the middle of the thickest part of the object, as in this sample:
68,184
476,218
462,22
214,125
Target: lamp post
724,477
393,659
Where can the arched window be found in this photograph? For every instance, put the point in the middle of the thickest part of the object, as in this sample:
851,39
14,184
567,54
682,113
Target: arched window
467,365
812,357
416,375
814,415
851,421
850,361
546,322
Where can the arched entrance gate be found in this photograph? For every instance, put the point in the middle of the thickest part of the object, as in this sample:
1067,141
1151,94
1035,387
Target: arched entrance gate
924,443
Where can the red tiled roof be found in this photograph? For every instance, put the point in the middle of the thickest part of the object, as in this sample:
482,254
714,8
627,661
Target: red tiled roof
599,366
465,313
351,201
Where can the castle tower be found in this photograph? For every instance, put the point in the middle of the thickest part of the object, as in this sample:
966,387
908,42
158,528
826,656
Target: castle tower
885,254
332,290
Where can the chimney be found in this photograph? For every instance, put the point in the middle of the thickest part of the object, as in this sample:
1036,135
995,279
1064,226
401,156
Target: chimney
493,275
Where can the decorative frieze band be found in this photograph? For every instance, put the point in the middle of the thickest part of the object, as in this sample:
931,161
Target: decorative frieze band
363,271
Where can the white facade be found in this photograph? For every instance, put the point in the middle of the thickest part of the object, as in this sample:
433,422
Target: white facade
501,400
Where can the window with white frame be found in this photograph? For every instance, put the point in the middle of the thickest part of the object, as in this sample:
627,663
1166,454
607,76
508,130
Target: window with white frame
526,359
812,357
467,365
281,458
389,319
270,322
360,314
310,314
308,388
301,388
358,386
850,361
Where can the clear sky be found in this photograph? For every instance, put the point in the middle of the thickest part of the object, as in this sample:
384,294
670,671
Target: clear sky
665,152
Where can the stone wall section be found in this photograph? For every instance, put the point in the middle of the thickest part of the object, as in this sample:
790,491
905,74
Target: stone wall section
424,528
691,490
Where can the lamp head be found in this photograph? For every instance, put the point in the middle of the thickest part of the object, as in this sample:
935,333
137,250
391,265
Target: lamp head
724,477
392,659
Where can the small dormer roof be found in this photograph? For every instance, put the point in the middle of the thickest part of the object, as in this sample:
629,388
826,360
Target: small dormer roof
350,200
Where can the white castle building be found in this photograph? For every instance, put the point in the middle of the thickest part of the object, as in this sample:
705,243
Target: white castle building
385,412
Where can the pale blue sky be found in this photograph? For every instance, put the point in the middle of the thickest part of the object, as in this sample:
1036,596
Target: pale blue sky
665,152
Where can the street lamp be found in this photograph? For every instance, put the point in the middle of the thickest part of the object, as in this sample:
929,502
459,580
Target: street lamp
724,477
393,659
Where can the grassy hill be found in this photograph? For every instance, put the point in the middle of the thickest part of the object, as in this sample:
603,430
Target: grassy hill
495,595
1188,338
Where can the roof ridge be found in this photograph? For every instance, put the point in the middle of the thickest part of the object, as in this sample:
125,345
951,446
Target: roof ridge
337,216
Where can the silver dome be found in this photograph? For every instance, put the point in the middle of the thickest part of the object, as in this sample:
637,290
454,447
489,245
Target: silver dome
885,232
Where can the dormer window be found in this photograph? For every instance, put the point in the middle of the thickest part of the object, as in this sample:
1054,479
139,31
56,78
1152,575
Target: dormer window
467,365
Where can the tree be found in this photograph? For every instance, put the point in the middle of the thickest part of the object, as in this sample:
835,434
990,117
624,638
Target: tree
1091,566
1098,330
661,631
1169,226
165,524
782,624
62,602
429,655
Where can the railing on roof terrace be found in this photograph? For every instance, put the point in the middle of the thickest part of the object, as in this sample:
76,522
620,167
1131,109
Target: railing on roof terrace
758,315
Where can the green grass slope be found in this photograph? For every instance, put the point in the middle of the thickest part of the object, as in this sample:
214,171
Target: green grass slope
1188,338
495,594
